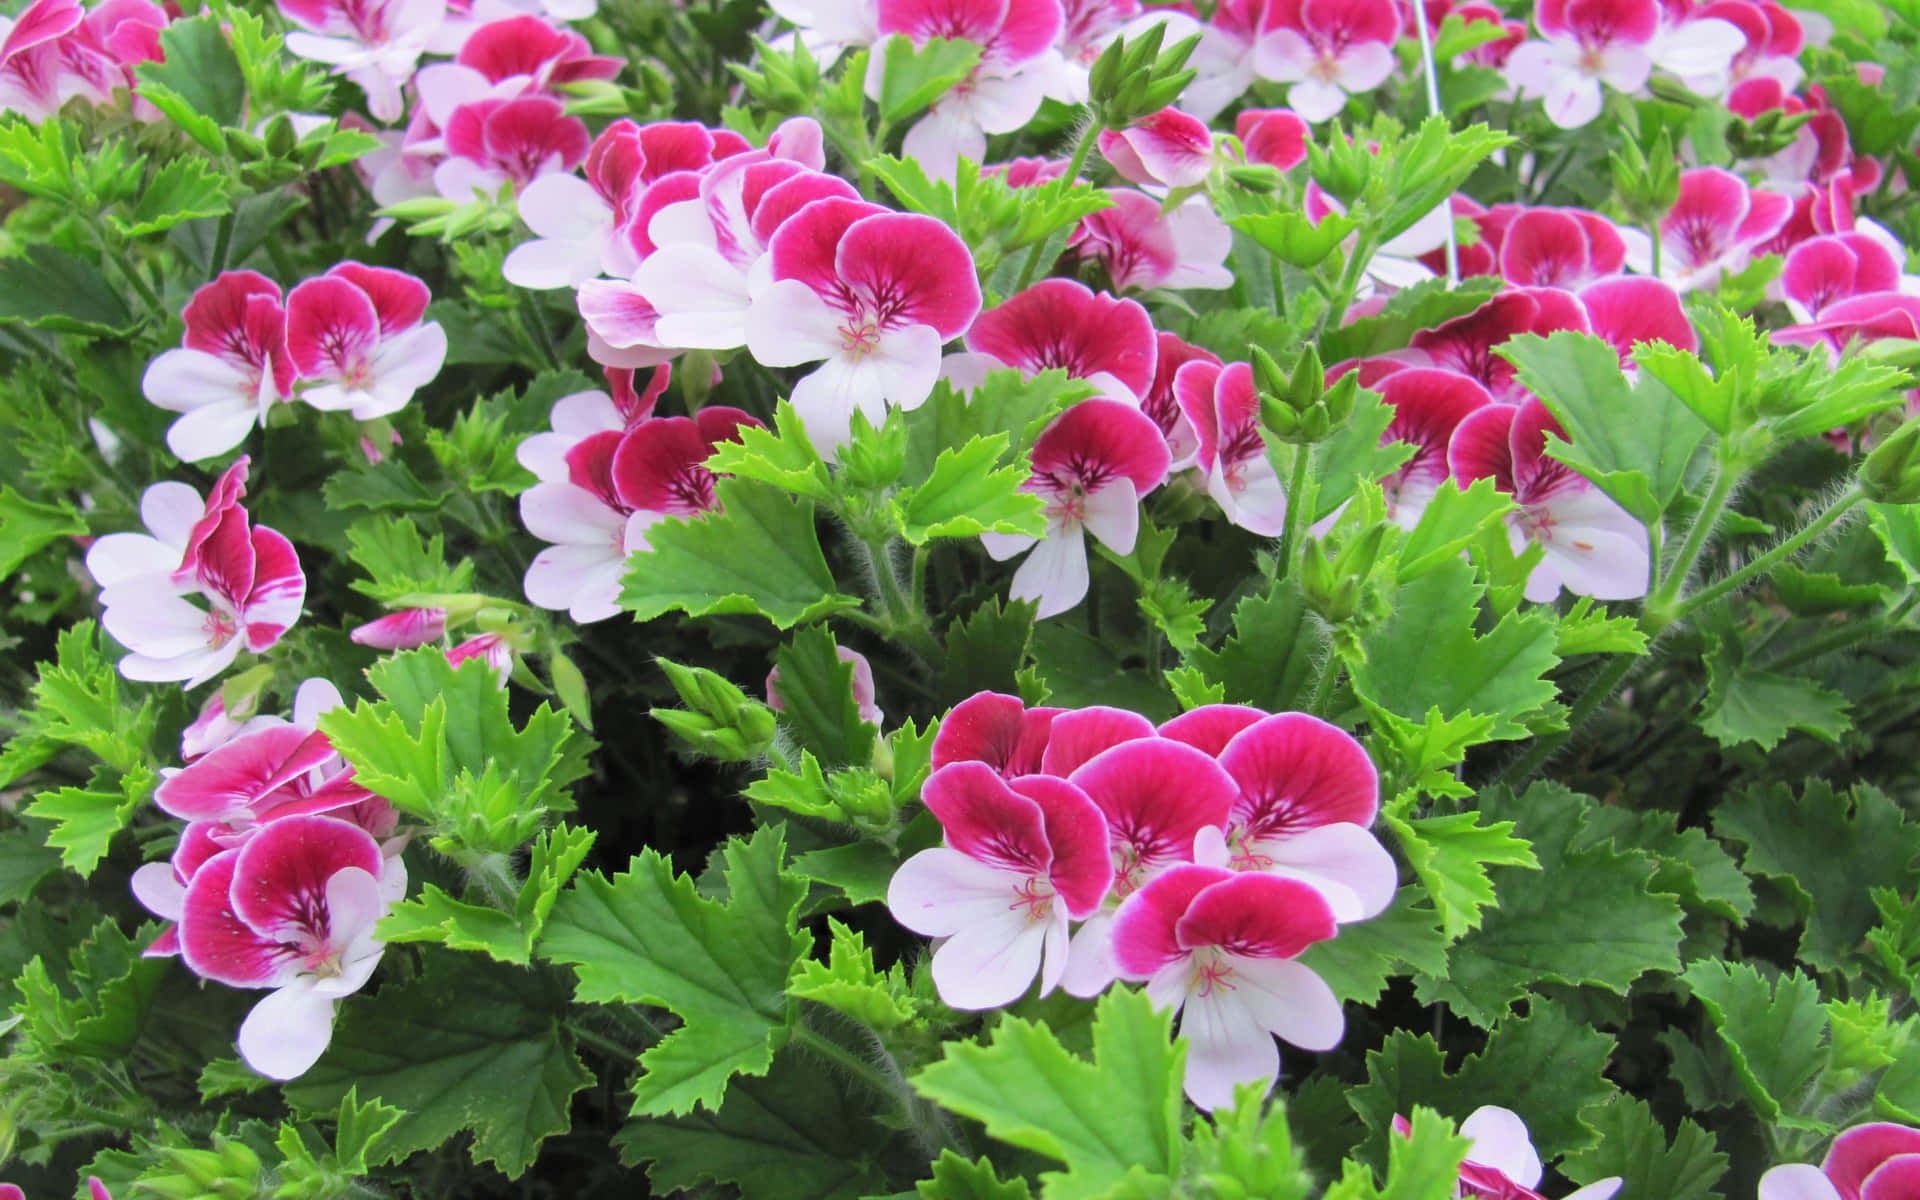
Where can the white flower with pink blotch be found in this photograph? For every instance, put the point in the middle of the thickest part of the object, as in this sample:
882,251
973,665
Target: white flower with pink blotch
829,28
873,293
579,416
357,340
1167,149
1224,407
1022,858
1714,228
499,144
1091,466
1327,49
1428,405
374,43
1061,324
1825,270
1501,1163
1275,136
1220,948
55,50
231,367
1593,546
493,649
1583,45
1876,1161
1142,247
248,576
294,910
1698,47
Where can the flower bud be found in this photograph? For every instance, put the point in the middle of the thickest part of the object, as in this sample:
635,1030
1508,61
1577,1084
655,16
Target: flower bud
403,630
1891,473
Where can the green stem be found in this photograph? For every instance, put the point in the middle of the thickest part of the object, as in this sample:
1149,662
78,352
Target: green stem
1323,689
905,621
1297,501
1774,557
222,245
823,1047
1074,167
1851,633
1724,480
601,1042
1341,299
1521,768
542,338
920,556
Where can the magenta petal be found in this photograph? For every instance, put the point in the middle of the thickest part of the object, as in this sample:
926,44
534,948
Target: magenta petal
331,325
216,316
1297,772
402,630
1082,733
1429,405
1481,447
996,729
985,819
1535,475
1256,916
279,589
215,943
225,783
1467,344
1146,929
1210,727
667,146
1061,323
1860,1151
1098,440
659,467
1545,247
1157,795
1193,387
1896,1179
280,877
1082,869
1630,309
792,194
590,464
167,945
1704,219
912,268
399,300
42,22
806,245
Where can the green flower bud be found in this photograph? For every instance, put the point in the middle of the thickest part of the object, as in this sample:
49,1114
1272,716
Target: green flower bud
1256,177
1891,473
280,139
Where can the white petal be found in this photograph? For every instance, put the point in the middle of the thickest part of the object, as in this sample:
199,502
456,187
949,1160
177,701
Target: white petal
1501,1141
212,429
701,297
287,1032
1342,853
1289,999
157,888
1225,1047
827,398
939,892
169,511
119,557
908,363
1090,965
1795,1181
790,324
545,263
1055,573
182,380
570,516
162,626
1113,515
989,963
583,581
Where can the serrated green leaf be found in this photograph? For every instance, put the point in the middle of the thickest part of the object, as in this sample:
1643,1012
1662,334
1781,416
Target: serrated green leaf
77,703
25,859
916,76
1451,520
200,67
1633,1145
1548,1065
85,819
1451,855
98,1007
182,190
849,983
400,563
1898,527
1587,628
1424,1165
759,554
1747,705
647,937
817,704
1293,238
1353,453
1007,401
1693,866
1358,963
984,649
1103,1118
434,916
1774,1029
956,1178
48,288
28,527
969,493
1425,305
468,1045
1271,655
782,456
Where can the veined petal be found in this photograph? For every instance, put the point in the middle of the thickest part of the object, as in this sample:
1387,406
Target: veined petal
990,963
225,783
216,944
1079,734
1335,859
1256,916
1295,772
1211,726
287,1032
940,891
1054,573
1226,1046
1289,1000
280,878
1156,794
790,324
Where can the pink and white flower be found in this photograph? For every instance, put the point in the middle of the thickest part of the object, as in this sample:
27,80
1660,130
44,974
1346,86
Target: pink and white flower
1824,270
494,144
996,729
1220,948
1141,247
1583,45
1877,1161
402,630
1004,90
1715,228
357,333
34,81
1593,546
1061,324
1167,149
1328,50
873,293
492,649
1428,405
1224,407
294,910
1559,247
1275,136
1502,1164
374,43
231,367
1091,466
1022,858
1162,402
1467,344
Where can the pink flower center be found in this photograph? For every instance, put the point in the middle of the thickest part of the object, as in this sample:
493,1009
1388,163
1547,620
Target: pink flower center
1035,894
220,627
1069,507
1207,971
860,338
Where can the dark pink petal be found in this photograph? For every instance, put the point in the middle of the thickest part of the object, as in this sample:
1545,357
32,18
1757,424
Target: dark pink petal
1869,317
668,146
226,782
1082,869
1275,136
806,245
1027,31
913,270
1832,267
1428,405
41,22
1340,23
1061,323
166,945
590,465
331,326
1160,402
1481,449
634,405
528,135
1537,477
1168,148
216,943
659,468
402,630
1767,214
985,819
336,794
280,876
1546,247
1896,1179
399,300
975,20
1193,387
198,843
613,166
1146,929
772,207
1210,727
1711,206
1297,772
1860,1151
1628,310
216,316
226,559
722,423
226,495
1256,916
1599,21
996,729
1606,249
279,588
1096,441
1078,735
1157,795
1467,344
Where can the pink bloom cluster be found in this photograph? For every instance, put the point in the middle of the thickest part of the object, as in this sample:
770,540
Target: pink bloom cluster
609,469
1502,1163
350,340
247,575
56,50
1201,857
1878,1161
279,874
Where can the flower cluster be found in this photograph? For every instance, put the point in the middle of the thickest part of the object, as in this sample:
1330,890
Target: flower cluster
352,340
56,50
281,871
1201,857
1878,1161
248,576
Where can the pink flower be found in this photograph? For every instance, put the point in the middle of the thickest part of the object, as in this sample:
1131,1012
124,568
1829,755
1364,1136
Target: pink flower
231,368
1868,317
1022,858
403,630
1091,466
1157,795
1162,402
863,693
1143,248
1428,405
1586,43
995,729
1832,267
873,293
1167,148
1502,1163
293,910
1627,310
356,331
1467,344
249,576
527,47
1593,546
1003,92
1063,324
1495,53
95,1190
44,61
1224,407
576,417
1878,1161
490,648
374,43
1274,136
1220,949
1714,228
495,143
1328,49
1559,247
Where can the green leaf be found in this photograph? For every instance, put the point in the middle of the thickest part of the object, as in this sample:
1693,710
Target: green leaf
76,702
51,289
1775,1030
400,563
1422,306
1293,238
1587,629
1355,452
199,67
434,916
956,1178
1451,520
984,649
1425,169
385,486
1636,443
1828,850
468,1045
1898,527
817,701
759,554
1451,855
28,527
1586,916
1425,1165
1358,963
1745,705
1103,1119
100,1002
647,937
849,983
1634,1146
1271,655
1693,866
793,1133
1549,1065
915,76
85,819
182,190
1007,401
1427,654
968,493
25,859
782,456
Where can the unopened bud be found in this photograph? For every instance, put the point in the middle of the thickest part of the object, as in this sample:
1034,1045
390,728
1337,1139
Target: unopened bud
1891,473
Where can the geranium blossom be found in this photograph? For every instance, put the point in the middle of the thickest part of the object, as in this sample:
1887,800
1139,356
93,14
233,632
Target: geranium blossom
1584,44
1878,1161
1061,324
1501,1163
358,342
1168,148
1000,95
1142,247
231,367
1328,50
374,43
1224,407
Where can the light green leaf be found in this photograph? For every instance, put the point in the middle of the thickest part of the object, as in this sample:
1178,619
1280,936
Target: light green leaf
27,527
968,493
782,456
1634,1146
1451,520
817,702
1775,1030
199,67
1586,628
1407,312
434,916
400,563
85,819
1425,1165
1451,855
956,1178
1270,656
849,983
182,190
916,76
